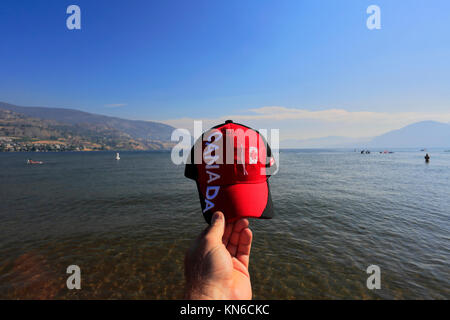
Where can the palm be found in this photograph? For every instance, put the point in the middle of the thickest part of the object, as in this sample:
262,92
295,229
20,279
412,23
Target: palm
229,260
218,262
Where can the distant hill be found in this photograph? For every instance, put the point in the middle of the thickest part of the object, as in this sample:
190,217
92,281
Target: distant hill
74,127
137,129
425,134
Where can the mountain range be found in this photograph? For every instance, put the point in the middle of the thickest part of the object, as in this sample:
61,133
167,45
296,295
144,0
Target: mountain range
83,130
78,130
424,134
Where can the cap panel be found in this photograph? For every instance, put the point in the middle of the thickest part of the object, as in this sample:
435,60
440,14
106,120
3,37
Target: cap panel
232,154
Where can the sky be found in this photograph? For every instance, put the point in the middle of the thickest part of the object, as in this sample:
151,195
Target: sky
310,68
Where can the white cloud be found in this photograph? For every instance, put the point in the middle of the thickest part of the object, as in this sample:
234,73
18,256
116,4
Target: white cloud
305,124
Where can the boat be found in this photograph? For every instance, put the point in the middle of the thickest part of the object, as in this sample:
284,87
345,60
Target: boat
117,156
29,161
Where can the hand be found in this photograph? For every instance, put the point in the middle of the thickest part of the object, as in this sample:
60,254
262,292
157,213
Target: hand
216,266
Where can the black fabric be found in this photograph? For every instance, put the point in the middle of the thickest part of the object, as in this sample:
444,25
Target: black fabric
268,212
208,214
190,170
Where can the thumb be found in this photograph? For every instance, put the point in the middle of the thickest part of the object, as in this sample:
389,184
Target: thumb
217,226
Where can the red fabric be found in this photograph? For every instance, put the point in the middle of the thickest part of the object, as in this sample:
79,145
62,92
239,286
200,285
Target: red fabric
240,200
232,179
247,142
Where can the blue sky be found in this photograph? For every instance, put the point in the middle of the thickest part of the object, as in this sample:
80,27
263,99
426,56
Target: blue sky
180,60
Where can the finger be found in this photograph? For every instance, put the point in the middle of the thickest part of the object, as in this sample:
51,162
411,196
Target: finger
237,228
226,235
244,246
234,238
216,230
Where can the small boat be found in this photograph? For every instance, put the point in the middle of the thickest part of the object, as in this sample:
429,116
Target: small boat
29,161
117,156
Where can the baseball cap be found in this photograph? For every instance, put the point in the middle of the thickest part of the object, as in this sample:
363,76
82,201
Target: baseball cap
231,164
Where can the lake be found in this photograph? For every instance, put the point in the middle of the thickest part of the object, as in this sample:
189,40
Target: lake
128,223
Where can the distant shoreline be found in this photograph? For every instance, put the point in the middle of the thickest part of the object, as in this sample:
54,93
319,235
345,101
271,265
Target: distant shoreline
60,146
89,151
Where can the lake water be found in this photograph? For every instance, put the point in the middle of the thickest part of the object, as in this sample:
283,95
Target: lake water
128,223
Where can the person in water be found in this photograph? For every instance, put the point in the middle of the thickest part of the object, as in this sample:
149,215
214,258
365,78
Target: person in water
427,158
216,266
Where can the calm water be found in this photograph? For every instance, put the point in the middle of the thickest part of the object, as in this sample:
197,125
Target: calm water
128,223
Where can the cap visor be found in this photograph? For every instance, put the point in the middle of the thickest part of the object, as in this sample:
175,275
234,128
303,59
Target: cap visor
246,200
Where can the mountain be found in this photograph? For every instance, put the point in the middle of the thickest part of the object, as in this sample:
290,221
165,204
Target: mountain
29,127
137,129
425,134
429,134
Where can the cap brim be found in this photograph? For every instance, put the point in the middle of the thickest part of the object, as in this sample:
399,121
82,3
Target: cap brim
237,201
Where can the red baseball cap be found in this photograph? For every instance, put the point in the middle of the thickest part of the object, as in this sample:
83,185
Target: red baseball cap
231,164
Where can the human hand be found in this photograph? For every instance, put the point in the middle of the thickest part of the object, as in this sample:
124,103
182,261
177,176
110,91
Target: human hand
216,266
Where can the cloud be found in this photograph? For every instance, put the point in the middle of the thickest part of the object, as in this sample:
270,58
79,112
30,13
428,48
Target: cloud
305,124
116,105
341,115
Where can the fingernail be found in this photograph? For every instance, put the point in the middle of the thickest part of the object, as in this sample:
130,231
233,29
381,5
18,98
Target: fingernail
216,216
